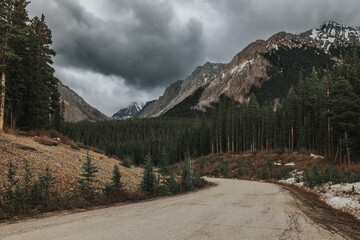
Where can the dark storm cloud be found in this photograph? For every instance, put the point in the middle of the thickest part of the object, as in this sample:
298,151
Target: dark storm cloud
114,52
146,45
248,20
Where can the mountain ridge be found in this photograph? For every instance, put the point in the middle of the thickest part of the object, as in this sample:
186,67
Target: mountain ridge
76,109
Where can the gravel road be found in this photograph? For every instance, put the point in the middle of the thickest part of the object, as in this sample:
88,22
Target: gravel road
233,209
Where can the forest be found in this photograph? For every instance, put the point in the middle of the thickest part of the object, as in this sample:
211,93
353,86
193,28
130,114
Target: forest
29,90
321,113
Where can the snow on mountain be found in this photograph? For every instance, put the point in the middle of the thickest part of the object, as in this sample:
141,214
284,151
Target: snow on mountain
130,112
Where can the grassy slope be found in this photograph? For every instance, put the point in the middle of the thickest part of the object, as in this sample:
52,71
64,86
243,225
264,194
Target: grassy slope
63,160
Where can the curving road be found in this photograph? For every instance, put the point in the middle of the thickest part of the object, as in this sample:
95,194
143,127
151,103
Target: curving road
232,210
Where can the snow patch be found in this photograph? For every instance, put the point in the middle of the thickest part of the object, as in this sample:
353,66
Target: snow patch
314,33
238,69
315,156
290,164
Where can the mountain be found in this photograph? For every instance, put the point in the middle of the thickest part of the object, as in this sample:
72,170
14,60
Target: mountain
266,67
75,107
276,59
132,111
181,89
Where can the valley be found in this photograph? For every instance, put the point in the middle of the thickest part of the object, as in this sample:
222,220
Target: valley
209,132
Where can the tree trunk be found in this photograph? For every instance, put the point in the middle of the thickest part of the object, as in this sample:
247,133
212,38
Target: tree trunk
2,104
347,149
341,155
292,138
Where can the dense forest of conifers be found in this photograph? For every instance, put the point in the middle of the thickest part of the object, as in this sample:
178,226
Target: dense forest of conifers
318,110
29,90
321,113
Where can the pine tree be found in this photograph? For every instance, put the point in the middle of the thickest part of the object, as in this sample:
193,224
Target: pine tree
291,104
344,105
186,175
88,178
116,183
9,30
148,183
253,118
125,162
163,163
27,181
46,182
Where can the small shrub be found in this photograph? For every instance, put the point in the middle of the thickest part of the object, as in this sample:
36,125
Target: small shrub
26,148
223,169
74,146
126,162
45,141
215,171
240,171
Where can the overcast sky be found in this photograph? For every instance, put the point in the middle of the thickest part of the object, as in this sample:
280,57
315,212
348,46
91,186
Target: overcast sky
114,52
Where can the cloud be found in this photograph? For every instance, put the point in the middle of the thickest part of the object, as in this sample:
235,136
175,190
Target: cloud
131,48
147,46
108,93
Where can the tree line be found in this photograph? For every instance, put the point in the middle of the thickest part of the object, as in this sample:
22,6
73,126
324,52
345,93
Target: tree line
320,113
27,194
29,90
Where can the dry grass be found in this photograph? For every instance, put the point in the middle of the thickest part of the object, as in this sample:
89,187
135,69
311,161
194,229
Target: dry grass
205,165
63,160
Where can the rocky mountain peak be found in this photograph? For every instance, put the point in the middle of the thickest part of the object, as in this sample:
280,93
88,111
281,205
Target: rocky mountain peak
130,112
76,109
249,67
181,89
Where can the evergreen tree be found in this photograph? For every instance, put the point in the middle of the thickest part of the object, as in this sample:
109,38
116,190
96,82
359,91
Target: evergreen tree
344,104
46,182
125,162
291,104
116,183
88,178
186,175
9,31
148,183
163,163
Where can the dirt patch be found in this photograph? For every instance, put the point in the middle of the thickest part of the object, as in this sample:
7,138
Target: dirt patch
324,215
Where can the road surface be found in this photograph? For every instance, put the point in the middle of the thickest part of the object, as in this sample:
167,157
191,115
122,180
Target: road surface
233,209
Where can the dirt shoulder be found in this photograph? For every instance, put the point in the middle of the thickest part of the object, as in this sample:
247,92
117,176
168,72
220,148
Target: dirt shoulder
324,215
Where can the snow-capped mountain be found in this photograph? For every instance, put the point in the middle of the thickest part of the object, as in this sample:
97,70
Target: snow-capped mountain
250,67
334,34
130,112
255,65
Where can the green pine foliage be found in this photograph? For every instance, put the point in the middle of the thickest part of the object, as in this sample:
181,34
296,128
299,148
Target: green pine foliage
149,182
31,90
115,180
126,162
87,178
164,164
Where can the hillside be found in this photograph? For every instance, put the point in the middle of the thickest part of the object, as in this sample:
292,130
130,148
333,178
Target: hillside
63,160
75,107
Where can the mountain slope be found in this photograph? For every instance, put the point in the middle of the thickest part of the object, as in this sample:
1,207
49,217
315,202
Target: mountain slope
254,65
75,107
64,161
180,90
